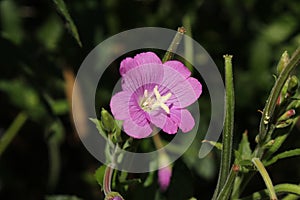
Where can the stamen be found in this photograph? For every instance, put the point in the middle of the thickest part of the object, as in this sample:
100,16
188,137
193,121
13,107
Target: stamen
146,93
149,103
160,100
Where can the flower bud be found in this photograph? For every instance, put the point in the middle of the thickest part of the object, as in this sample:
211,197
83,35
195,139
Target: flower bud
164,177
108,121
288,114
282,62
293,85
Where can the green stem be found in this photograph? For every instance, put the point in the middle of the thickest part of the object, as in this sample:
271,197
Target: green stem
12,131
263,172
173,46
228,126
271,102
226,190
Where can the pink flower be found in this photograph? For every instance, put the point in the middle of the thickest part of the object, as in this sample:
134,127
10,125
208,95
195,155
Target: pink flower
164,177
154,94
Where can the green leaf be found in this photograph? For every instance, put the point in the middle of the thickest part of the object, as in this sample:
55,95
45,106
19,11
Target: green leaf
286,154
218,145
12,131
50,32
11,21
99,127
280,188
63,10
30,101
280,29
99,175
55,136
244,149
149,179
62,197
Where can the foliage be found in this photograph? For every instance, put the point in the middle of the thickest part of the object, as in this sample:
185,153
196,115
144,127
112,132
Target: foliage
42,44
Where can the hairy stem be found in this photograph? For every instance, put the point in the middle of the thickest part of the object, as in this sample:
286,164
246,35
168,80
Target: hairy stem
271,102
228,127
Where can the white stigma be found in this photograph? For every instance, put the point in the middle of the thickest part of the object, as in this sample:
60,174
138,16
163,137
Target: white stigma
149,103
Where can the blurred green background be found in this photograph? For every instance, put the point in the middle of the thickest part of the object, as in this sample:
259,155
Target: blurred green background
40,53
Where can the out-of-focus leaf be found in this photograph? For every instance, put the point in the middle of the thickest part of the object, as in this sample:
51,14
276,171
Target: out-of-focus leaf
99,175
50,32
23,97
11,21
62,197
149,179
286,154
63,10
60,107
55,135
280,29
12,131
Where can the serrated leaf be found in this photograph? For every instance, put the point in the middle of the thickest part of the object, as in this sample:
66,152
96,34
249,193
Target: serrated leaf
244,148
63,10
99,175
286,154
62,197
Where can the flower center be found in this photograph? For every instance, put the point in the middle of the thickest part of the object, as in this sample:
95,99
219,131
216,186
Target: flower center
155,101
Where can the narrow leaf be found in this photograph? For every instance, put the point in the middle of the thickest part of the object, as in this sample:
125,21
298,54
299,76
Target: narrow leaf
63,10
281,188
286,154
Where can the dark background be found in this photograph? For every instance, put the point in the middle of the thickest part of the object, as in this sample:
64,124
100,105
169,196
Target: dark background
38,63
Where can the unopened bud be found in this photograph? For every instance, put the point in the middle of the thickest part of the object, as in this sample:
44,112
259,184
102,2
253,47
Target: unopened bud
293,85
288,114
284,60
108,121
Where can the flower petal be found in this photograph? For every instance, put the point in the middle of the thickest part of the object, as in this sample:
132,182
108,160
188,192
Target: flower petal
140,59
126,65
136,131
170,126
183,90
146,58
138,115
187,121
147,74
180,67
119,105
158,118
196,86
